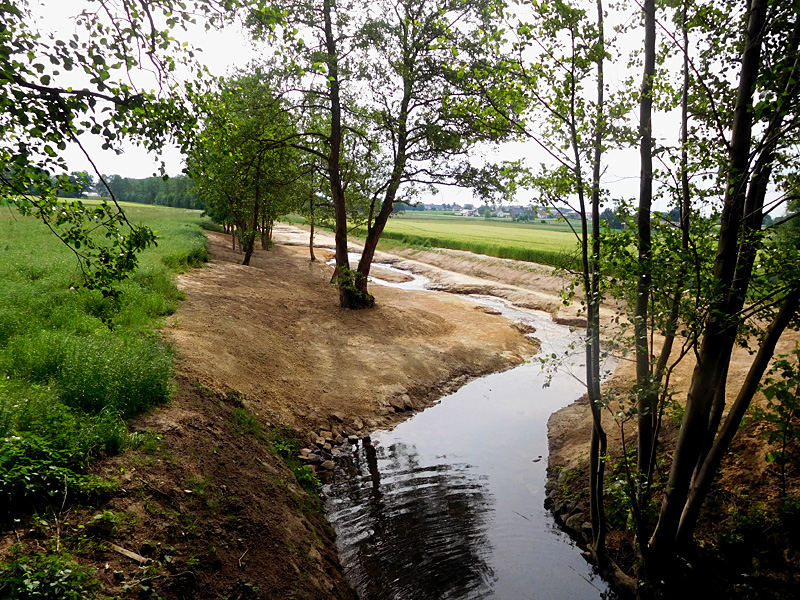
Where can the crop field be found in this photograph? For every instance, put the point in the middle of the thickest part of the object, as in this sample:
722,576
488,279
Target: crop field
551,243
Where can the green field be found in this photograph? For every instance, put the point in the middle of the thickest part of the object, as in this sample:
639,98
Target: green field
551,243
75,364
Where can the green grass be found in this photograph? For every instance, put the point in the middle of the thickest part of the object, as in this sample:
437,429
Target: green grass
551,244
74,364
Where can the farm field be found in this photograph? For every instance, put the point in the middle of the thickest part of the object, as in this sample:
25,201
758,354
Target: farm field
552,243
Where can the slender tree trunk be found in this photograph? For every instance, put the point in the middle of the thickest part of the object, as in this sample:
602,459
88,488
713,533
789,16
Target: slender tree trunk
250,235
375,228
590,255
705,477
720,331
598,440
646,391
311,220
347,297
685,212
266,233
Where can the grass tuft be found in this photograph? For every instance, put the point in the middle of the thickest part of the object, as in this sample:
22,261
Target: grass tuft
47,576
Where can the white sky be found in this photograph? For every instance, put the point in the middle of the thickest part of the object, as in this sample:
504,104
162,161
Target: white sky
230,47
219,51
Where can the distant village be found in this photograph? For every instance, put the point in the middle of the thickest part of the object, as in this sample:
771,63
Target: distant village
513,211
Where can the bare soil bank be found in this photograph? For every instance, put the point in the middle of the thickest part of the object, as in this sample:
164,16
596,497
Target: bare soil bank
273,334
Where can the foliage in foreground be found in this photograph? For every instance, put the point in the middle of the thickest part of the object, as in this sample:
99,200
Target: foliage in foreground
47,576
75,363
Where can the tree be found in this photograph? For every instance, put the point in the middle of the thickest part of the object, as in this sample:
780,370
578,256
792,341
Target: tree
733,301
419,62
573,129
611,219
236,165
718,300
76,185
46,106
647,395
768,67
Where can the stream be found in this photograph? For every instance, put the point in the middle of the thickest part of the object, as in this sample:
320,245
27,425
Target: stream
449,504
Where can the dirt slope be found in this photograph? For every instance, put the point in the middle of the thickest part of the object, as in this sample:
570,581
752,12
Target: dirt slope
273,333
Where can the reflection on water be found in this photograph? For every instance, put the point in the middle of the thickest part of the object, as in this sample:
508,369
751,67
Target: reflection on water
450,503
417,531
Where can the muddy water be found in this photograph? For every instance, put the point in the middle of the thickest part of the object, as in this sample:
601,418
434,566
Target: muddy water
450,503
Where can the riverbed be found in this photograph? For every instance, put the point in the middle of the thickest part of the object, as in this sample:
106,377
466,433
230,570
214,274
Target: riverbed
450,503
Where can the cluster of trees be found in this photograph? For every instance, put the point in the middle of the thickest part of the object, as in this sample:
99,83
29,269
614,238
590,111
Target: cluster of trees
363,105
246,165
76,185
164,191
175,191
701,284
420,207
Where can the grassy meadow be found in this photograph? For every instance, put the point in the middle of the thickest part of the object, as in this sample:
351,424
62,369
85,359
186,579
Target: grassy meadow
551,243
74,364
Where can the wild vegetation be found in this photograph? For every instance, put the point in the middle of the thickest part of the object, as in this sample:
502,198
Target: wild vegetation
690,287
75,363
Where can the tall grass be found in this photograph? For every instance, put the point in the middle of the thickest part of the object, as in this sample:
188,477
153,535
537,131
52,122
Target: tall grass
74,364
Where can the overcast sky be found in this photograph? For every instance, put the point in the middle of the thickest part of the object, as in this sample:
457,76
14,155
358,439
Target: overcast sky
220,50
230,47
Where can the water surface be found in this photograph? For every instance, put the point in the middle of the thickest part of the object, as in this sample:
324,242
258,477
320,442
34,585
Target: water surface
450,503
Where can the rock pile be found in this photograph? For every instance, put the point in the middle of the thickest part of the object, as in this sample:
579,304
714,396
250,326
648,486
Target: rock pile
327,446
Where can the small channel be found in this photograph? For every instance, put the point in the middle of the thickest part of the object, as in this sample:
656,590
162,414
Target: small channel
449,504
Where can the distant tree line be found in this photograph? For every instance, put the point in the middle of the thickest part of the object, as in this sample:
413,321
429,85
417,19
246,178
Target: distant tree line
171,191
616,219
175,191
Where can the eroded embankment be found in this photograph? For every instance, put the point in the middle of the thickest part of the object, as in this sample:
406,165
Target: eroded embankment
267,347
273,333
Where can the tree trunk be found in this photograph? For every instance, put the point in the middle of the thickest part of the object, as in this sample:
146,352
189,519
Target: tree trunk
598,441
720,329
266,233
375,229
685,212
644,380
709,469
250,235
347,294
311,235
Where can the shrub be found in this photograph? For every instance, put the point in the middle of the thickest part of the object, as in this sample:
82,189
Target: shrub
47,577
34,474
